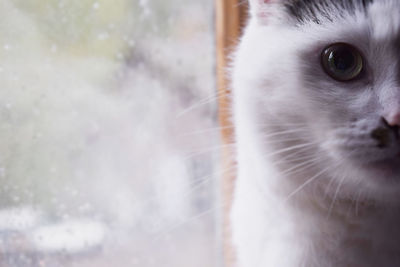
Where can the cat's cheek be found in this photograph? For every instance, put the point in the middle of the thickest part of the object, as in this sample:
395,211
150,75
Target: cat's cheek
338,157
330,148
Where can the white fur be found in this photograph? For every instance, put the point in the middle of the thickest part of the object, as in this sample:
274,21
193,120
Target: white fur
342,209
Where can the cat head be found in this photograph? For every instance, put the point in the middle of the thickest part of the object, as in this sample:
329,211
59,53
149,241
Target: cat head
326,75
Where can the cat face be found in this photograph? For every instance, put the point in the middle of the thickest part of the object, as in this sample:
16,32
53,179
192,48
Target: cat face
332,68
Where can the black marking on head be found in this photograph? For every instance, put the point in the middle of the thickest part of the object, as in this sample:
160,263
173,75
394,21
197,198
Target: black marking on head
313,10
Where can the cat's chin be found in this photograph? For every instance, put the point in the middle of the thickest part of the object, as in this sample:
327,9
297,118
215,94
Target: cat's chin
385,170
383,179
379,180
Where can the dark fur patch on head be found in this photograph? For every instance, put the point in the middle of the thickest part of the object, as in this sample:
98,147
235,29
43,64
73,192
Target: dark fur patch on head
313,10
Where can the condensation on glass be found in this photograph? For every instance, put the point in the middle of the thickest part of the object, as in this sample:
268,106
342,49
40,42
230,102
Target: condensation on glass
108,136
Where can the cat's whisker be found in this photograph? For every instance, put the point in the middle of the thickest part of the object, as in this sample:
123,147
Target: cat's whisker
293,159
207,212
283,139
327,189
298,130
353,205
285,124
288,149
306,164
201,103
191,188
307,182
203,180
213,149
299,124
301,167
218,129
299,151
335,197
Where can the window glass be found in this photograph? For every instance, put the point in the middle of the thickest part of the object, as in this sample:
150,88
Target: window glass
108,134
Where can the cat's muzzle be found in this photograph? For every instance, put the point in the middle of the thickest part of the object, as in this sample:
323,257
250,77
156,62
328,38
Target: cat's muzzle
385,134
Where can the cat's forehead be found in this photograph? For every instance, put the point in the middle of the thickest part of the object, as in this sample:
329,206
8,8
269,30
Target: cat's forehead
382,16
318,11
379,18
384,19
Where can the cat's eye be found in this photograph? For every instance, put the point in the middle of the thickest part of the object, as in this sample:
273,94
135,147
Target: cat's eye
342,62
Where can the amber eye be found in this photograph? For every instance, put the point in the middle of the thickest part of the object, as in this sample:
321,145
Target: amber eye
342,62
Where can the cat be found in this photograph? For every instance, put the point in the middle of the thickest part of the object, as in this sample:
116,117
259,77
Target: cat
316,108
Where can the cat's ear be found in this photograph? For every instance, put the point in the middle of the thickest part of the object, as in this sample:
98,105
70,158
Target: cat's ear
265,10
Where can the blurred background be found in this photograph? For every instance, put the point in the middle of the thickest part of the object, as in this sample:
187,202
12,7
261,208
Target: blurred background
108,134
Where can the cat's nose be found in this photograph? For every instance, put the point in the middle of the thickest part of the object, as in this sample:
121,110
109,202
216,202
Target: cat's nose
391,109
393,119
393,123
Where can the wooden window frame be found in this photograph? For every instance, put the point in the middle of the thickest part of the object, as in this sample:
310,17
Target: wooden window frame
230,19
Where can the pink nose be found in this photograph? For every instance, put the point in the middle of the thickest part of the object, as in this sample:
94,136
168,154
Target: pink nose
393,119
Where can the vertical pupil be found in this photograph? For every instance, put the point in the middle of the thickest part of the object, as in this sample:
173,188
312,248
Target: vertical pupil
343,59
